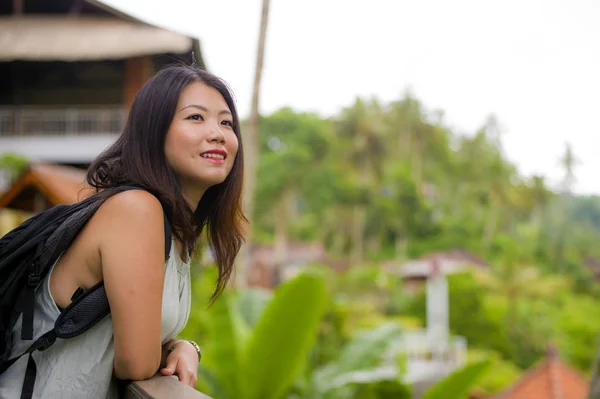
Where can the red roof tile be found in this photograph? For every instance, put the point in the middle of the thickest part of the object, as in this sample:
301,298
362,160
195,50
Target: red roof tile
551,379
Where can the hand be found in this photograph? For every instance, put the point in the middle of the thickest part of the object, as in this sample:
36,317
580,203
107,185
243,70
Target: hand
183,362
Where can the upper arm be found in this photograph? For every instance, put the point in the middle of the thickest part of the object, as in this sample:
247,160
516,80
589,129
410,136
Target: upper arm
131,245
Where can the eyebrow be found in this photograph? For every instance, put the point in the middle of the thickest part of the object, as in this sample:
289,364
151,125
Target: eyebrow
203,108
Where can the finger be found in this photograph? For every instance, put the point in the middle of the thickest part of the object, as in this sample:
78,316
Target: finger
192,379
171,366
184,377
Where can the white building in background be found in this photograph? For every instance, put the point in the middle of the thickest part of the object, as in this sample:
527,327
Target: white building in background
431,353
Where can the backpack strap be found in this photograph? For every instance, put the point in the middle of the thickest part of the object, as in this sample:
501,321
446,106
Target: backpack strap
29,381
28,299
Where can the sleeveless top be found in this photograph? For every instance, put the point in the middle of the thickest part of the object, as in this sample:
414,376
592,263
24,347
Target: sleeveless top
82,367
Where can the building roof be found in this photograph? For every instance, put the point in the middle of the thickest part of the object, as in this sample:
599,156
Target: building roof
551,379
447,262
58,184
81,38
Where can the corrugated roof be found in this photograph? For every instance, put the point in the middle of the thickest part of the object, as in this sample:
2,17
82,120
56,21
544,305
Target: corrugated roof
79,38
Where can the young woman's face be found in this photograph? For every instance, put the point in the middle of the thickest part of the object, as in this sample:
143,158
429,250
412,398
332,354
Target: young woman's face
201,144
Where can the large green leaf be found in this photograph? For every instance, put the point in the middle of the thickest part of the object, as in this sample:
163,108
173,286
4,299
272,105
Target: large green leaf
458,384
208,383
251,304
385,390
280,342
223,353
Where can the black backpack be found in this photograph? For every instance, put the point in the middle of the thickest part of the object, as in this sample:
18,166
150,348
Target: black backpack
26,255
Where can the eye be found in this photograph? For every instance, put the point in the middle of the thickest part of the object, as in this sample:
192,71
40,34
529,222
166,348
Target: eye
195,117
227,123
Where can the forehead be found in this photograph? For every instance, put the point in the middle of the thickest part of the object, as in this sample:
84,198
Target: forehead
201,94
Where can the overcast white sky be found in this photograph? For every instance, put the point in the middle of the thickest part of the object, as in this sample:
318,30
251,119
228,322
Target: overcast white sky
534,64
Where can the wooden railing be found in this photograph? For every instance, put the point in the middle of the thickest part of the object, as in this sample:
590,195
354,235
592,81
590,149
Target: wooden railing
161,387
66,121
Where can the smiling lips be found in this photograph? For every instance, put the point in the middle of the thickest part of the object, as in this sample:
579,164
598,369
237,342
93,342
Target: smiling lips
215,156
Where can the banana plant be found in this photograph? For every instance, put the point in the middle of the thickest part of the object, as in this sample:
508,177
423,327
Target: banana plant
362,362
259,344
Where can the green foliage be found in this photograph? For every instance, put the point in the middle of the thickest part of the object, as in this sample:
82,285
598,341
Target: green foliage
255,345
502,373
577,332
251,305
382,182
13,163
224,354
385,390
483,327
283,335
357,366
458,384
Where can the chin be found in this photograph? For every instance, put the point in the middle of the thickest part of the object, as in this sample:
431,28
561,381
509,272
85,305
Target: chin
208,183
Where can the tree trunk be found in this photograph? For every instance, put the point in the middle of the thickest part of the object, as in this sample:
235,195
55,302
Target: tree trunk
358,230
251,149
417,163
595,379
400,248
282,219
490,227
374,244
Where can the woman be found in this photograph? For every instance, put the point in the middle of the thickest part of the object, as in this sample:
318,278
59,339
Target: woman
182,144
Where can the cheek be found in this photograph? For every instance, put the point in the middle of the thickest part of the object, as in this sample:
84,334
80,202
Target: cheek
179,142
170,150
233,145
176,149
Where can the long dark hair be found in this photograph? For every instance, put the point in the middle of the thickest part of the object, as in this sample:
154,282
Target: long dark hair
138,158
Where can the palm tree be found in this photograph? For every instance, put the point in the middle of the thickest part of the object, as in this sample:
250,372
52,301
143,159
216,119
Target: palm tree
360,126
251,146
541,196
568,162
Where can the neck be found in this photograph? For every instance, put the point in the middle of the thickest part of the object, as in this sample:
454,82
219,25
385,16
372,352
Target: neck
193,196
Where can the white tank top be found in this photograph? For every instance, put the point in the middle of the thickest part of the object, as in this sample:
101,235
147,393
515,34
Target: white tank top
82,367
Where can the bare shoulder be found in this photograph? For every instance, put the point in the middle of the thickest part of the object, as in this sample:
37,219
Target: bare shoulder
128,220
131,205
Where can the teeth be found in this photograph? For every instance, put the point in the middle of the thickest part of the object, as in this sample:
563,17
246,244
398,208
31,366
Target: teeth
210,155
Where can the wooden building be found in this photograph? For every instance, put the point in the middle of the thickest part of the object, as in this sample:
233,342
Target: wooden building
38,188
69,70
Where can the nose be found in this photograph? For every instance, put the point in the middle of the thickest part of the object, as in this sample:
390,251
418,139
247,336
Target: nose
216,135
